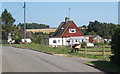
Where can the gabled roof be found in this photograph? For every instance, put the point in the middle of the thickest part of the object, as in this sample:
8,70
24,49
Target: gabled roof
61,29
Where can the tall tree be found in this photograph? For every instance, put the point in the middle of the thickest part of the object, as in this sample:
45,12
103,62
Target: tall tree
7,24
7,18
116,47
106,30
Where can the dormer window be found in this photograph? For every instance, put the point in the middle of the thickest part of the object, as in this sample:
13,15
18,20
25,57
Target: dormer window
72,30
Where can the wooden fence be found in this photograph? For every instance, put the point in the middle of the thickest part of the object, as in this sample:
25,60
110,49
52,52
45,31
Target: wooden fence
86,51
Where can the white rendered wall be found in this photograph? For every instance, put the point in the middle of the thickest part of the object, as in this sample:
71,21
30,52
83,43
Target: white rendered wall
63,41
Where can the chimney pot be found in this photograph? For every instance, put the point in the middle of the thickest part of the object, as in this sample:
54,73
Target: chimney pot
66,19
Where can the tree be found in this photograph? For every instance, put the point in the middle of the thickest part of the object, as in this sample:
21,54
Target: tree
38,37
33,26
8,26
115,46
105,30
92,33
7,18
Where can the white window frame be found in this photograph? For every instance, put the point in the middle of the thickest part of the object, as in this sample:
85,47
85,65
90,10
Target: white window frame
70,30
55,41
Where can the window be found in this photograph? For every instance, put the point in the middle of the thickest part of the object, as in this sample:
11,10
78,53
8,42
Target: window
72,30
58,41
68,40
76,40
54,41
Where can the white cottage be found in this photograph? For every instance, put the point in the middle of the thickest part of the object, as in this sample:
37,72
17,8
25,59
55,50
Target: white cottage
67,34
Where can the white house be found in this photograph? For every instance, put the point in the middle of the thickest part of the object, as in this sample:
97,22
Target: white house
67,34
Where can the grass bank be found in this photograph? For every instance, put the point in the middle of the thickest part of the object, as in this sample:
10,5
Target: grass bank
61,50
43,48
105,65
89,56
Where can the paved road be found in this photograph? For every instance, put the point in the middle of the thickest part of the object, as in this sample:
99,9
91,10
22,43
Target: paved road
23,60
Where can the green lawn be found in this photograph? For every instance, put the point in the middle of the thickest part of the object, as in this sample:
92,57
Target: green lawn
89,56
97,49
43,48
96,53
105,65
63,50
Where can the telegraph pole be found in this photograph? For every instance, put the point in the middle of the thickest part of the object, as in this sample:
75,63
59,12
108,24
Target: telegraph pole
24,21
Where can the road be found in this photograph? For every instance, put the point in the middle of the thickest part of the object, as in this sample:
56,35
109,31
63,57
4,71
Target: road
23,60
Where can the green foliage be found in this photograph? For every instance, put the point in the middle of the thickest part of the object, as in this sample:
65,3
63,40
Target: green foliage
116,47
83,44
33,26
83,31
38,37
99,44
92,33
7,18
17,37
105,30
106,65
43,48
51,34
9,27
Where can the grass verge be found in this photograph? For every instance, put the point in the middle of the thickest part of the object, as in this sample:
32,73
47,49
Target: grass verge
89,56
105,65
43,48
58,50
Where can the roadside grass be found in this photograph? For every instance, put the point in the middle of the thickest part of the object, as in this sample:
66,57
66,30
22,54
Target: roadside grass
95,53
105,65
43,48
89,56
97,49
63,50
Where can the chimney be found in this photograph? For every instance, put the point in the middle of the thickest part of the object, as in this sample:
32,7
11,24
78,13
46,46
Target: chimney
66,19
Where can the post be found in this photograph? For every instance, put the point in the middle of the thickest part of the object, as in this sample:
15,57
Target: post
24,21
103,51
62,41
85,50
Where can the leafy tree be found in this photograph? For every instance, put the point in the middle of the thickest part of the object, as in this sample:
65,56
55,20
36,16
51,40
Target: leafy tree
38,37
92,33
7,18
8,26
105,30
33,26
83,29
16,36
51,34
116,47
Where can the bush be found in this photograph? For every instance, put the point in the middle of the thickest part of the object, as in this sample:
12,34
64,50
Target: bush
99,44
115,46
83,44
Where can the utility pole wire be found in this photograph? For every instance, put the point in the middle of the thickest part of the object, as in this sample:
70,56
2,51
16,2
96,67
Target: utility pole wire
20,4
28,13
17,11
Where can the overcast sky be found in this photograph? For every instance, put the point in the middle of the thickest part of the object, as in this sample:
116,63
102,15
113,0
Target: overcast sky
53,13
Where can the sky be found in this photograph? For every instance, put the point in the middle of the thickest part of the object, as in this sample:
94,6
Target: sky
53,13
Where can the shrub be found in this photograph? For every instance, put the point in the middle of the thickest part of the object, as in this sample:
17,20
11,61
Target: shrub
99,44
83,44
115,46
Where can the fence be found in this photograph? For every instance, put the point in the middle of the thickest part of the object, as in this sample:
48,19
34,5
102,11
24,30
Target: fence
103,52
